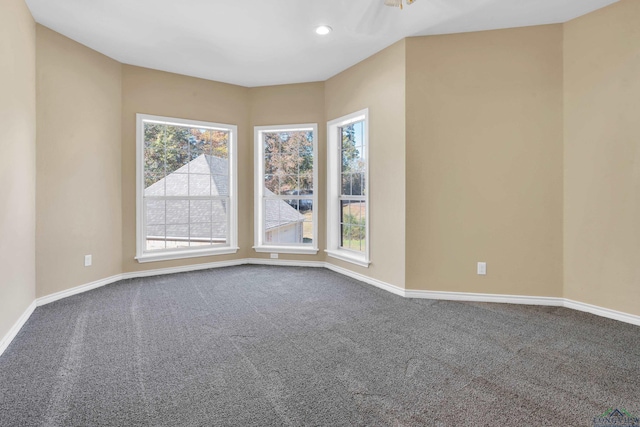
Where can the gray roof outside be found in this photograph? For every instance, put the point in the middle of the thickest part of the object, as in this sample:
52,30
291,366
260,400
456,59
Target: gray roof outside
202,219
279,213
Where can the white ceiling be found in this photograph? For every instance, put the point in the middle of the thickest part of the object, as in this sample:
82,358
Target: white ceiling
268,42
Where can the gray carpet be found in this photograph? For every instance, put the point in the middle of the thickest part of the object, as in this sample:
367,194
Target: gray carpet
278,346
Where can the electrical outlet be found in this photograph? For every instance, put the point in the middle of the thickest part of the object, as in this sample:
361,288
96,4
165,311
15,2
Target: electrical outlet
274,256
87,260
482,268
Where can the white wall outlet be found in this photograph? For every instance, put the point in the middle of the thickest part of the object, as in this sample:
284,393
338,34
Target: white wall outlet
482,268
87,260
274,256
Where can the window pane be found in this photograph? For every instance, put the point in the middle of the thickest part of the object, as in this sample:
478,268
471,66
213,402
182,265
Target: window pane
200,234
345,237
305,149
218,165
356,184
306,183
155,212
346,161
271,183
219,211
305,209
346,184
353,237
200,165
294,203
219,232
154,184
271,236
272,163
154,155
177,212
177,184
353,221
198,145
345,212
288,184
199,185
220,185
272,213
200,211
176,146
178,236
155,237
284,220
364,185
271,143
291,162
220,144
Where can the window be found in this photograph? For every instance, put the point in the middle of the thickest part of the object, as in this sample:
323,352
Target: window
285,196
186,188
348,192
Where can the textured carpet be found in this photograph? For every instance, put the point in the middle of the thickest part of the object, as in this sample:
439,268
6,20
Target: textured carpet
268,346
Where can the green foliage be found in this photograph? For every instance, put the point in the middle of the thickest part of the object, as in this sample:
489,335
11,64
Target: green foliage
167,148
349,151
289,162
356,229
353,162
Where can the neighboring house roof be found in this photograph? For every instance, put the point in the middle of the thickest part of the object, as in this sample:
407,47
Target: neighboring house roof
203,176
279,213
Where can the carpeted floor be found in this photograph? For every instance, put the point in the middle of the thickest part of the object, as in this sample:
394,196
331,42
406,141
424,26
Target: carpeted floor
268,346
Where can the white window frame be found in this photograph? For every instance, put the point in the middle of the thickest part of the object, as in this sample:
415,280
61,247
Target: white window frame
259,231
232,243
334,162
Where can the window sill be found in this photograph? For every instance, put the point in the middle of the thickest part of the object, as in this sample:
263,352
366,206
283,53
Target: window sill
286,250
166,256
347,256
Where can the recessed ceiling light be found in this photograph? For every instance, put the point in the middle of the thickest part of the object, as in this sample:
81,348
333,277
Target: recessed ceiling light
323,30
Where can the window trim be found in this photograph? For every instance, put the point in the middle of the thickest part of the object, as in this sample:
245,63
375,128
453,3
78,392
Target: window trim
258,223
232,246
334,146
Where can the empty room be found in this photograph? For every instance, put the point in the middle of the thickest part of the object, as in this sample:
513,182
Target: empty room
320,212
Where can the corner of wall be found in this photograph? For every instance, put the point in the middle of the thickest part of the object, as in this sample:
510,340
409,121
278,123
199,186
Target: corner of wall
601,159
17,167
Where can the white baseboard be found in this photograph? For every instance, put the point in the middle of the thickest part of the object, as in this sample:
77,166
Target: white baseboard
183,269
602,312
407,293
377,283
13,332
171,270
77,290
284,262
473,297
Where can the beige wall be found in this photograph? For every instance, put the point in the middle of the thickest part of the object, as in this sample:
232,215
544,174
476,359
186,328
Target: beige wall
484,161
17,161
166,94
378,83
78,164
293,104
466,150
602,157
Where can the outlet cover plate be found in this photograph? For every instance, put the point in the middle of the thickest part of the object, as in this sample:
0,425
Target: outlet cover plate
482,268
